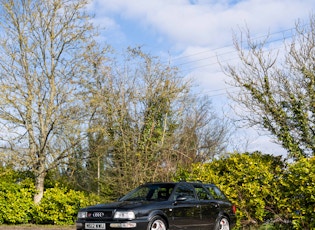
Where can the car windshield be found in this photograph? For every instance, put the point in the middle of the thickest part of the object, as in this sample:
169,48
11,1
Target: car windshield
156,192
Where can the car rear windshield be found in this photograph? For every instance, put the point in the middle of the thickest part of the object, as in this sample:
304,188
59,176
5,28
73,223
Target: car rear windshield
156,192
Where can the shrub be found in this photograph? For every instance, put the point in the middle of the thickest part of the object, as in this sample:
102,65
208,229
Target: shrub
60,206
16,203
249,180
299,192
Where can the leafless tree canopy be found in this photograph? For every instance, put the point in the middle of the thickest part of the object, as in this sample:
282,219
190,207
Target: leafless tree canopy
145,124
43,55
68,105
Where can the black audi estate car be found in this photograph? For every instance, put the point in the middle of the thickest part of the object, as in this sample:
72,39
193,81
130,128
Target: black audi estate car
163,206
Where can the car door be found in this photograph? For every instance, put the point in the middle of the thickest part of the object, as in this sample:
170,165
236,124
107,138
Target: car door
208,208
184,211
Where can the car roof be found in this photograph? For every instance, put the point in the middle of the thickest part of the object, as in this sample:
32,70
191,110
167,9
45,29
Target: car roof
179,182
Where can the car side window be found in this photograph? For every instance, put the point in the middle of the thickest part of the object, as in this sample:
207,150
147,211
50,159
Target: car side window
216,193
184,190
202,193
162,193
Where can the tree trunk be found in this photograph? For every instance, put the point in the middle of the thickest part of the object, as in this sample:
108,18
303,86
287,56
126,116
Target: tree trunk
39,186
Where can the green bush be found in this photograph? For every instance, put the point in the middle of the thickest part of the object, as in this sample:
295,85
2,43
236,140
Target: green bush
16,203
60,206
299,192
251,181
265,189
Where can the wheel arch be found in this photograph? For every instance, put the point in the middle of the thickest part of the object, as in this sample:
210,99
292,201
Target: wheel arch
223,214
159,213
220,216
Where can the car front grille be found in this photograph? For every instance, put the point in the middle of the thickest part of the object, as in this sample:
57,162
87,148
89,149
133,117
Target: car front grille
100,215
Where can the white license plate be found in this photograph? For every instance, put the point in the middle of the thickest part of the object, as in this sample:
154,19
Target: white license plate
95,226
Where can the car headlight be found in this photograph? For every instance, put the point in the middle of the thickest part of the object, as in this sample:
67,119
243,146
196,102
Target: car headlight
127,215
82,215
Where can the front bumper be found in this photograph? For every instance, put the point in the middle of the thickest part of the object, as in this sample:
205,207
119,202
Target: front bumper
114,225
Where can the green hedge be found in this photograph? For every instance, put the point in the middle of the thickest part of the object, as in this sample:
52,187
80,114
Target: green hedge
59,205
264,188
16,203
299,192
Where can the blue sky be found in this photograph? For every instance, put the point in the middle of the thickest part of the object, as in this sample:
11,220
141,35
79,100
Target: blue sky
194,33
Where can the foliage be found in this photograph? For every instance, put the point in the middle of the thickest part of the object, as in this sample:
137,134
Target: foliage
16,204
264,188
299,190
267,191
276,90
60,206
249,180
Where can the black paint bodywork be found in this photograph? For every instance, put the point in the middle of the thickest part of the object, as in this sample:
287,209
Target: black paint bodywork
179,212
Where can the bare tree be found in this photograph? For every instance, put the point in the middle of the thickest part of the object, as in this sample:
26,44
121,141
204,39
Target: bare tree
202,135
45,51
145,124
132,103
277,90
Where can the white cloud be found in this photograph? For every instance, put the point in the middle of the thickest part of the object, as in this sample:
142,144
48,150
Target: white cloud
198,32
206,23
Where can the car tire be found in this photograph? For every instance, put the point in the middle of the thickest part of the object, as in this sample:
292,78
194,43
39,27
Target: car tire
157,223
222,224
